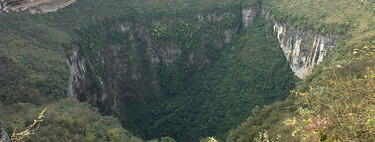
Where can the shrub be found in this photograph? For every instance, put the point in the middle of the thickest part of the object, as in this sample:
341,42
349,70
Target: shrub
66,120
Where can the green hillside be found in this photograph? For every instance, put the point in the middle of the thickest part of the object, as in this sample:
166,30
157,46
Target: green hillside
64,122
334,102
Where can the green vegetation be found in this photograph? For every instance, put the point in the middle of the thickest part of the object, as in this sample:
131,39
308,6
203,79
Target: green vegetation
34,70
319,16
26,76
251,71
32,46
64,122
240,77
207,95
340,108
333,103
352,19
270,118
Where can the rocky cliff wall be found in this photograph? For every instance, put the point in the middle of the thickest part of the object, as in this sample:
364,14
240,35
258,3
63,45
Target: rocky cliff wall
303,49
81,85
115,73
3,135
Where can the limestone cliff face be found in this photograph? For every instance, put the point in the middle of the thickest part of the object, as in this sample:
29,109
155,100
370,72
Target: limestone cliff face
113,74
248,15
303,49
3,135
81,86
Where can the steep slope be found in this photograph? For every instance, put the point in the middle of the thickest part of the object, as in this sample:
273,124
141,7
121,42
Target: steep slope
178,73
34,70
181,50
304,50
64,121
166,69
333,103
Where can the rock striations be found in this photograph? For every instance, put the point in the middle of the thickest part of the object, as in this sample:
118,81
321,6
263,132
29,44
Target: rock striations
303,49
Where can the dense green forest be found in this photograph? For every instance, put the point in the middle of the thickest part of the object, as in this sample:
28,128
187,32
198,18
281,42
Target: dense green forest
237,91
248,72
37,80
239,79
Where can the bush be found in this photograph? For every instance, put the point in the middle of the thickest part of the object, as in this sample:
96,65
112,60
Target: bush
66,120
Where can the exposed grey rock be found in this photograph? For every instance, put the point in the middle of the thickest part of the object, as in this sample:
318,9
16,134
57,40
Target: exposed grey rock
3,135
170,54
248,16
303,49
80,85
77,71
228,35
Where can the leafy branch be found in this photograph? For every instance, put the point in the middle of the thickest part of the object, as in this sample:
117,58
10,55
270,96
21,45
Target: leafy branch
24,135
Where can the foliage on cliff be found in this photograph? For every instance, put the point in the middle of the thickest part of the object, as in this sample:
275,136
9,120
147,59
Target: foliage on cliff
209,78
334,103
340,108
339,111
352,19
32,56
270,118
32,50
34,64
251,71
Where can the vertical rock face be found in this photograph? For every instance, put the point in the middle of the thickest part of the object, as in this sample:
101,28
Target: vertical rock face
303,49
107,77
3,135
81,86
248,16
77,71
